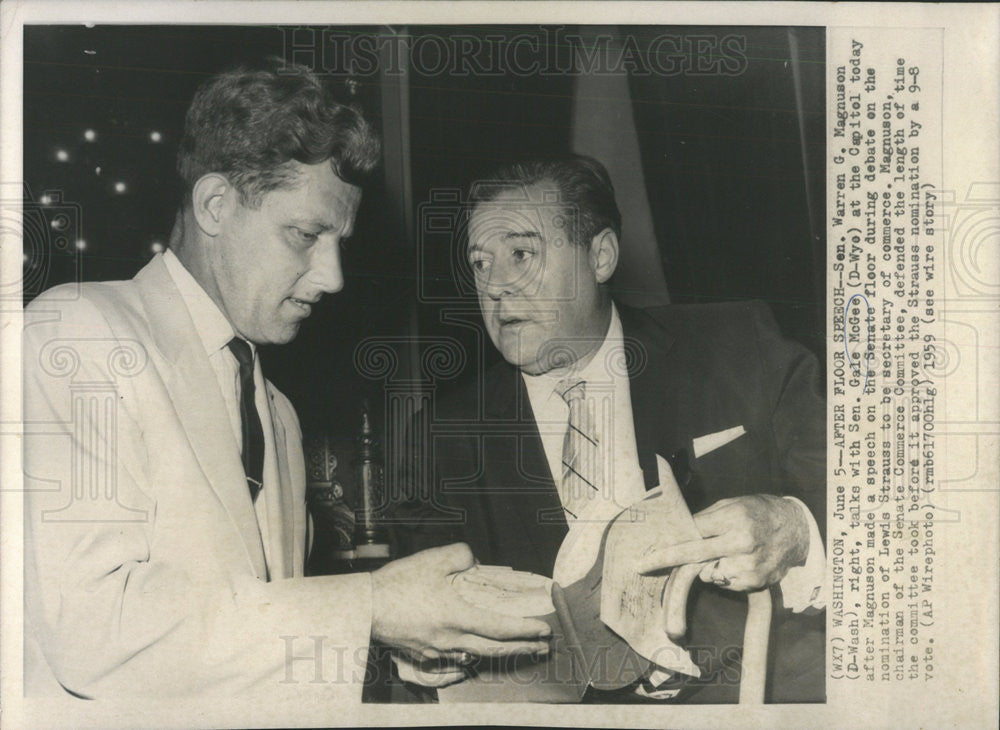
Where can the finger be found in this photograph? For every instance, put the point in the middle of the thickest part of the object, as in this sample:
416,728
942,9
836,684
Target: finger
439,679
744,573
694,551
720,505
449,662
427,675
710,571
454,558
675,608
483,623
741,584
489,648
721,573
719,520
419,655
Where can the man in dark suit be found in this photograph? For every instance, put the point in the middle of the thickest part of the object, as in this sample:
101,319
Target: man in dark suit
715,389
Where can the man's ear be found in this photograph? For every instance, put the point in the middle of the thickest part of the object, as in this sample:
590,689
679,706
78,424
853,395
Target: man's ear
208,200
604,254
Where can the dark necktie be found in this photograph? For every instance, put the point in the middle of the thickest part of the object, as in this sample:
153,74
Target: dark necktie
253,433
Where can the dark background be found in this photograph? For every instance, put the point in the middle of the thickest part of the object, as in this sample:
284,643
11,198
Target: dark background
734,167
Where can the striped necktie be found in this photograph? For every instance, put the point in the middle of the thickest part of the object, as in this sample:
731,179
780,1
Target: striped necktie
253,432
581,467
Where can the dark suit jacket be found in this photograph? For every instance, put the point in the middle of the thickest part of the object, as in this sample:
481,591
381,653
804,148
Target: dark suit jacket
694,370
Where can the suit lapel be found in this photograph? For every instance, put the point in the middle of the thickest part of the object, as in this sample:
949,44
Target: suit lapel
519,472
662,408
194,392
284,563
648,385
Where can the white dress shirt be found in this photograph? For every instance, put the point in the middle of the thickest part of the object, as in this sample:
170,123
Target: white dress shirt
215,332
607,379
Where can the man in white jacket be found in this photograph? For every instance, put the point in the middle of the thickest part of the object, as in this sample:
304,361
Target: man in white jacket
165,521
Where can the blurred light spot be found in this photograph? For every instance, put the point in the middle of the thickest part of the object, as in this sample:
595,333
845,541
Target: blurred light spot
97,170
81,244
120,187
89,52
155,136
62,155
157,247
90,135
88,25
45,200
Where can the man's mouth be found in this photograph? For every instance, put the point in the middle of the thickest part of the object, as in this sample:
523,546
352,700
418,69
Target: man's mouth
508,322
303,304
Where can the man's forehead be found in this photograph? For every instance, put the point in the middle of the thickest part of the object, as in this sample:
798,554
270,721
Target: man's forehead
493,222
524,210
314,191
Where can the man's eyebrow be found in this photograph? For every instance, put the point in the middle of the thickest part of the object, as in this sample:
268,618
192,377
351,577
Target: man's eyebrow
507,236
308,222
320,225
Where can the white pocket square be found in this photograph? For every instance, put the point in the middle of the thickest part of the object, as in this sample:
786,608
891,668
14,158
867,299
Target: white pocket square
710,442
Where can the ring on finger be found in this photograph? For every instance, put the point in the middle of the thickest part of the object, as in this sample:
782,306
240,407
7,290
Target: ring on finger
718,578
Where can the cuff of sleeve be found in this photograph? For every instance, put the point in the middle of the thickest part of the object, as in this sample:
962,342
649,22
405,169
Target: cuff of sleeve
334,610
660,685
804,585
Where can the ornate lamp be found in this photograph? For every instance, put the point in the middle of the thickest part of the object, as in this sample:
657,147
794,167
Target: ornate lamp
369,537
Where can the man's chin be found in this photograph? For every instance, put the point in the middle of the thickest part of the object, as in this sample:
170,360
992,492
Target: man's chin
531,368
287,337
526,363
280,335
515,353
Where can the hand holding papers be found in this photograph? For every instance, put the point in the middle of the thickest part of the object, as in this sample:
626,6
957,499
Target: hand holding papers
501,590
608,625
557,677
749,542
641,608
417,610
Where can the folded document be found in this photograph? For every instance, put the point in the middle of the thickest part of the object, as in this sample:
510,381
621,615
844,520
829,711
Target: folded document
607,622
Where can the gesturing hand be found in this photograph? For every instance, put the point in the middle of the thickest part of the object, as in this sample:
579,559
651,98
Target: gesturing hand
748,543
417,610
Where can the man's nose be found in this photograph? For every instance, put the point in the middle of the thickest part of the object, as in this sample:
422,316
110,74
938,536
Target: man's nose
325,271
501,281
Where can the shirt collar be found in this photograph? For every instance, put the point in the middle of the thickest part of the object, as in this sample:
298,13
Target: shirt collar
600,368
210,323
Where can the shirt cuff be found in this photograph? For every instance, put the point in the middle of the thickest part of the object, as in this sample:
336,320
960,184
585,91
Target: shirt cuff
660,685
804,586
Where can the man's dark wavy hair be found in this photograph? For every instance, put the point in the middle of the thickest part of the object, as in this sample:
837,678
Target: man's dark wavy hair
582,183
249,124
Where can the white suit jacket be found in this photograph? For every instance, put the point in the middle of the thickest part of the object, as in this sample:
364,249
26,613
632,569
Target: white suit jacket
144,571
